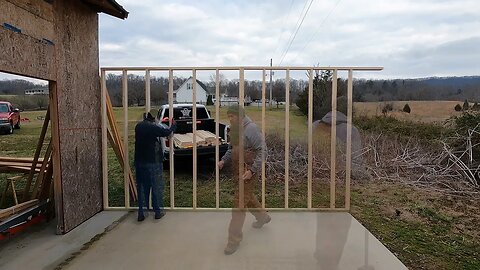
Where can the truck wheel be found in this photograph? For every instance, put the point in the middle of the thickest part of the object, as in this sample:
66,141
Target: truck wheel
17,126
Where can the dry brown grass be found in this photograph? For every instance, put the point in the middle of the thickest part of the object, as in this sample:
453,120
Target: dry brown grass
422,111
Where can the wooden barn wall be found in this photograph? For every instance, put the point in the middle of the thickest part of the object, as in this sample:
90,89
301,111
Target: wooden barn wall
78,101
27,48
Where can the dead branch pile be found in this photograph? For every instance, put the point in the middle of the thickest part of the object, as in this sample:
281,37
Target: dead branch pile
298,161
438,166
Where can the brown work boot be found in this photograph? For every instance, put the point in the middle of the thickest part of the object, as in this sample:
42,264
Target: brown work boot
259,223
230,248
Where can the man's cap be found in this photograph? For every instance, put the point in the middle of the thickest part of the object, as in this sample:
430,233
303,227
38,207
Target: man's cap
149,116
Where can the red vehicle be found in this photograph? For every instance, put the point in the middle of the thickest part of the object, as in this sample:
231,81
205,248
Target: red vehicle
9,117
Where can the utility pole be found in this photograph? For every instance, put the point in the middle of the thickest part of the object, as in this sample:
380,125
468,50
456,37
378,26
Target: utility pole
270,101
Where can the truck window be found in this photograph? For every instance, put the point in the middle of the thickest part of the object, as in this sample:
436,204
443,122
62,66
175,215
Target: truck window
186,113
3,108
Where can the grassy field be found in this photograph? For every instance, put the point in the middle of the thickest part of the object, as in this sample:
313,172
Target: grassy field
426,230
422,111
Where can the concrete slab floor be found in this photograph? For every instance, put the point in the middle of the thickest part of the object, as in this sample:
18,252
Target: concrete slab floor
40,248
195,240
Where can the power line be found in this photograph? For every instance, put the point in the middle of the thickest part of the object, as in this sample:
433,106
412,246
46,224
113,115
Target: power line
296,24
319,26
296,32
283,27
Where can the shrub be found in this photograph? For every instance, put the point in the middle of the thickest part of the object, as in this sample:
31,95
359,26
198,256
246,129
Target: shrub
466,106
391,126
458,108
209,100
476,107
406,108
388,107
463,126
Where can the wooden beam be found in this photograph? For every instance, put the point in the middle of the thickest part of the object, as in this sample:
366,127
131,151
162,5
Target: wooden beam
310,140
349,138
333,140
287,135
263,136
5,213
17,169
103,105
126,176
118,143
41,175
56,157
217,139
19,164
26,190
171,152
46,183
18,160
194,131
241,142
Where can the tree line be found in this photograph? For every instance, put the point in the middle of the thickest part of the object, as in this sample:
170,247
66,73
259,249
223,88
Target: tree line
446,88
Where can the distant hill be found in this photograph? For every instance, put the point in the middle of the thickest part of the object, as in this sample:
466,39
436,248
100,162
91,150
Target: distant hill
457,82
432,88
17,87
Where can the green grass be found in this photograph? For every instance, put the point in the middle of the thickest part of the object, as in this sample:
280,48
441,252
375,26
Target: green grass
430,231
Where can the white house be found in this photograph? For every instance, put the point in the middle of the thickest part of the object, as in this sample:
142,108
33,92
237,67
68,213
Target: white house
184,94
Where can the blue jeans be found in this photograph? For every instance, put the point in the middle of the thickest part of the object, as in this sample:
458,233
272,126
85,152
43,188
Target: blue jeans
149,177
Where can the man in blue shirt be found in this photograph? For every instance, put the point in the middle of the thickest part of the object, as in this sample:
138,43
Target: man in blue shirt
149,164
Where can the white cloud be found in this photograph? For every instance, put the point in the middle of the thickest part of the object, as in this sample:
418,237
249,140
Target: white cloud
410,38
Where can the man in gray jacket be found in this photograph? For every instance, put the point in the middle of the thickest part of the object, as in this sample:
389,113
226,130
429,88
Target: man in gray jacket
253,150
358,169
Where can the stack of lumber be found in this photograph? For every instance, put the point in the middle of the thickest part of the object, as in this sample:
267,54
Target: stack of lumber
203,138
200,141
207,136
12,165
117,146
38,173
8,212
182,141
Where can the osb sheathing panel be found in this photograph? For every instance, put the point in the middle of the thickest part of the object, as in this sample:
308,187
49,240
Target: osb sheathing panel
39,8
78,90
22,54
81,172
29,23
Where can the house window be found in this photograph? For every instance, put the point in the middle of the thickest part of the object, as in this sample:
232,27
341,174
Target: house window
189,86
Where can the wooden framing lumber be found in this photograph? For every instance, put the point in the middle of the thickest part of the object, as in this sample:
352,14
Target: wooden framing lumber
19,160
5,213
198,140
117,143
40,178
19,164
118,153
17,169
207,136
182,141
26,190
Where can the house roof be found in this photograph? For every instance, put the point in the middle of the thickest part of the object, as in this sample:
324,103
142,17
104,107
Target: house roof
110,7
199,82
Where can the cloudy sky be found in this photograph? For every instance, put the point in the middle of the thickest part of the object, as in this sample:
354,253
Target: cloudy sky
409,38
